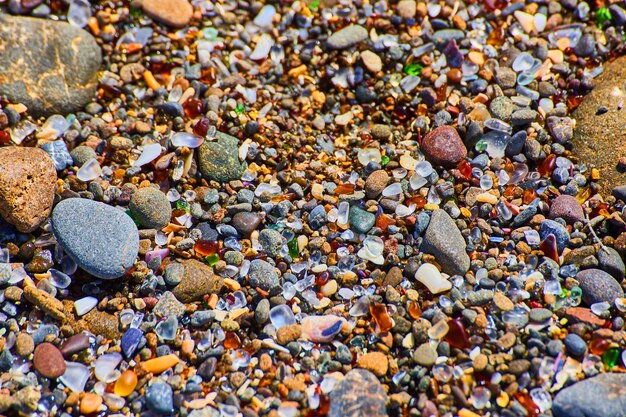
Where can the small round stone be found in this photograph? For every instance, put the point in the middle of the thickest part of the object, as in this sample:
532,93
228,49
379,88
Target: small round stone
48,361
263,275
151,208
575,345
24,344
567,208
443,146
160,398
246,222
376,183
82,154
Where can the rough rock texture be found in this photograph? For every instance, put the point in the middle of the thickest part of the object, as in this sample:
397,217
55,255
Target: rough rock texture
101,239
198,280
603,395
49,66
599,140
598,286
444,241
151,207
358,394
443,146
568,208
174,13
219,159
27,183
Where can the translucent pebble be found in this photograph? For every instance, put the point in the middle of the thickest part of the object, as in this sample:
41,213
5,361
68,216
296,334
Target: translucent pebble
150,153
75,377
404,211
54,127
173,195
494,143
343,212
17,275
22,130
89,171
59,279
240,359
498,125
503,210
423,168
79,13
167,328
572,33
433,197
346,293
407,161
486,182
104,367
439,330
552,286
480,397
186,139
273,190
600,308
392,190
541,398
442,372
532,237
429,275
620,304
265,16
321,329
417,181
68,265
399,173
85,305
4,255
262,48
517,317
367,155
126,317
361,307
282,315
503,178
541,20
160,238
522,62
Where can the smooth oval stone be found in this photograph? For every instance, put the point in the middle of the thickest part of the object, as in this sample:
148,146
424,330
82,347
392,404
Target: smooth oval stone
101,239
49,361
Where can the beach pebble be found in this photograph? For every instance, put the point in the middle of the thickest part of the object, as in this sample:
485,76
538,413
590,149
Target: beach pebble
598,286
101,239
174,13
359,393
567,208
197,280
443,240
443,146
27,183
151,208
49,361
347,37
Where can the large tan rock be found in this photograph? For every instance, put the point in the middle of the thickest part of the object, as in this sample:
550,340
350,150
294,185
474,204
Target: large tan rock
599,139
174,13
27,183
